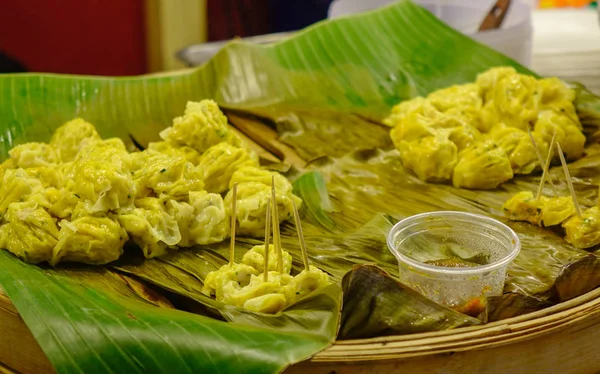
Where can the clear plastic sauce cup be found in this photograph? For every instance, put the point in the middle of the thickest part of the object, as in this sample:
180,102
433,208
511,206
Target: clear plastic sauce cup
453,257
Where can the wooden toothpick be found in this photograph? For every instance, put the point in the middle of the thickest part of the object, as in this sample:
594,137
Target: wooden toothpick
598,192
267,237
276,234
568,177
546,166
540,159
233,224
300,235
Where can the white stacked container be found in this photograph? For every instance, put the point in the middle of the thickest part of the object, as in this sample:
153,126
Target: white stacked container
513,39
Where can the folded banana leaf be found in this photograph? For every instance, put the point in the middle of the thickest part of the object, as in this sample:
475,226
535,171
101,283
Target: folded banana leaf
377,305
86,327
324,91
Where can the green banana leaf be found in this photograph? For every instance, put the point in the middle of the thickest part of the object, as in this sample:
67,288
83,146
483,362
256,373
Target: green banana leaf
86,329
324,91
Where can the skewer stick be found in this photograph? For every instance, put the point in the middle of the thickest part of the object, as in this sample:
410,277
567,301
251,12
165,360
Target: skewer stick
569,181
300,235
540,159
267,237
598,192
233,223
276,234
546,166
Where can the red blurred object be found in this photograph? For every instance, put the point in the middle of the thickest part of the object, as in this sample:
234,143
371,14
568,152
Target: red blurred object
98,37
228,19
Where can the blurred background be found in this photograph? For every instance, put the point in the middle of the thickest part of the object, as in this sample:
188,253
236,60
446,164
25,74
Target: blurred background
131,37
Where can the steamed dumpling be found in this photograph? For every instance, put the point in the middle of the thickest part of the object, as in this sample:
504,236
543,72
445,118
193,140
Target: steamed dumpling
202,126
253,192
31,155
568,135
151,227
168,149
416,106
30,233
483,166
255,174
555,91
517,100
16,186
252,200
517,145
220,161
160,174
203,220
255,257
489,79
432,158
103,184
464,97
91,240
71,137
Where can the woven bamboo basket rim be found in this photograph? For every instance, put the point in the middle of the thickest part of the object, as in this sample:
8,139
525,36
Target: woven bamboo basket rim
511,330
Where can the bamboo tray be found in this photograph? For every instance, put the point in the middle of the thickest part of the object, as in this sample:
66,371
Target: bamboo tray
563,338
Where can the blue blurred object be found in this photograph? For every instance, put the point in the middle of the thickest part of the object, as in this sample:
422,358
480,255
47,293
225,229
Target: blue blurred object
291,15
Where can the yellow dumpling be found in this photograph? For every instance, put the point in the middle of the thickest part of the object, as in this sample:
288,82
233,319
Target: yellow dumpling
50,176
464,136
568,135
204,220
112,151
168,149
31,155
159,174
517,100
489,117
256,287
227,277
255,174
483,166
71,137
557,210
418,125
432,158
413,128
102,183
464,96
555,91
30,232
524,207
202,126
489,79
270,303
151,227
255,258
584,231
220,161
417,106
91,240
16,186
252,200
304,283
62,201
517,145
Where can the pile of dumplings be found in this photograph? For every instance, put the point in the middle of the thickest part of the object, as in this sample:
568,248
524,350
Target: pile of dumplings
81,198
476,134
